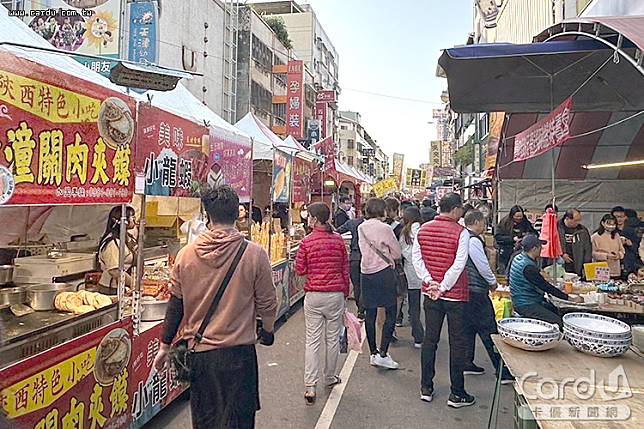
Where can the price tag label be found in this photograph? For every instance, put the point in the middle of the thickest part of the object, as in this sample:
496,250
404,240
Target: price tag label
602,274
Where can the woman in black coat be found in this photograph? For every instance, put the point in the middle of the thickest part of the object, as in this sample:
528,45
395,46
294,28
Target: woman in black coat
509,232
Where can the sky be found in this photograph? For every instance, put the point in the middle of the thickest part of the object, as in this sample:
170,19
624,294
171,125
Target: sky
392,47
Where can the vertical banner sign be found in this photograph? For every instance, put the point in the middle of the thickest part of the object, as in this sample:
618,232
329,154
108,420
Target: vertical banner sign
83,383
321,115
295,100
172,154
435,154
326,147
302,171
143,40
494,138
65,143
398,162
281,177
231,159
446,155
548,133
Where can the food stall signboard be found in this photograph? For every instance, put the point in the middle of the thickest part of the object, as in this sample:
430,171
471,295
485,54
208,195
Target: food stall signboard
550,132
231,156
172,154
281,177
301,180
63,140
82,383
385,187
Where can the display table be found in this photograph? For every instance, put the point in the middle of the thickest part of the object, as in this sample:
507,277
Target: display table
617,402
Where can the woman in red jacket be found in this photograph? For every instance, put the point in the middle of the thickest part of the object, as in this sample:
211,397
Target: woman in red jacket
322,258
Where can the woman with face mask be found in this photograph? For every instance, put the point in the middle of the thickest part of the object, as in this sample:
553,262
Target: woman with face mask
607,245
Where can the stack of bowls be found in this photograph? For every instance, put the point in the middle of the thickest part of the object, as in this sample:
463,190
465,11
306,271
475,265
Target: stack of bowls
597,335
529,334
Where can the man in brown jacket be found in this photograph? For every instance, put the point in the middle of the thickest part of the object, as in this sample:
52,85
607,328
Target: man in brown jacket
224,388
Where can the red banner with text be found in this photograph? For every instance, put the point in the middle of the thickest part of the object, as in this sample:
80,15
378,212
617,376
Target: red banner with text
63,140
548,133
302,181
321,115
295,100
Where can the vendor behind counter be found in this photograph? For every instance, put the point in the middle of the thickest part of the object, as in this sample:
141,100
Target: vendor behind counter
108,251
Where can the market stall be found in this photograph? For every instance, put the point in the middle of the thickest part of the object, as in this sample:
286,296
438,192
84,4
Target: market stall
67,142
271,193
182,149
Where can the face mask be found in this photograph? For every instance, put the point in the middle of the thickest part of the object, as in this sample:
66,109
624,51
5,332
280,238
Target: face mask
609,228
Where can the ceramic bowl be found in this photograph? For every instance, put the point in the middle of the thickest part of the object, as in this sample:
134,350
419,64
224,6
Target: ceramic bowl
597,326
530,343
609,342
529,328
596,348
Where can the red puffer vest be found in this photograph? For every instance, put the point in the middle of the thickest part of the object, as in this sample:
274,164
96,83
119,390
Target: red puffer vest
323,259
438,241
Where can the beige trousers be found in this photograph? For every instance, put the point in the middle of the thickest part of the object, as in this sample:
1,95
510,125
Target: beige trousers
323,317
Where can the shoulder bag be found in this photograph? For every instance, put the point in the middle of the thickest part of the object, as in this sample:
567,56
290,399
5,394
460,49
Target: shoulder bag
377,251
180,352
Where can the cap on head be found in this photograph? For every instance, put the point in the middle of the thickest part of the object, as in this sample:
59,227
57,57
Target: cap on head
530,242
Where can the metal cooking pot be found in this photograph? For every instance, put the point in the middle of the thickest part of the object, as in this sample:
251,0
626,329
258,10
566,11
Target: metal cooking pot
12,295
153,310
6,274
41,297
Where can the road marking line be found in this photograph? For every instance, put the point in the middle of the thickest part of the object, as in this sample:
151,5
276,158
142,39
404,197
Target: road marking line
333,401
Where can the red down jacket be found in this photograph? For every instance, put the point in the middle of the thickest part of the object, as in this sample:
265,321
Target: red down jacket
322,258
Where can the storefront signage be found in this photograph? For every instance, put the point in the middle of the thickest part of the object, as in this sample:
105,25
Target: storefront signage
280,280
548,133
416,178
295,100
232,157
321,115
65,143
326,96
82,383
302,181
281,177
143,43
441,191
172,154
385,187
398,162
81,26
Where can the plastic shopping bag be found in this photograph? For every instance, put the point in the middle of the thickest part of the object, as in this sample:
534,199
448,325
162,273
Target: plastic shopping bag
502,308
353,331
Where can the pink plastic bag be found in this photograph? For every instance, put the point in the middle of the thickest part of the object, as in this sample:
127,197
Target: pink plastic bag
354,331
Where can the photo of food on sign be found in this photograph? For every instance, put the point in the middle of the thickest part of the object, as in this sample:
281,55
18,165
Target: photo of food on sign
112,356
115,122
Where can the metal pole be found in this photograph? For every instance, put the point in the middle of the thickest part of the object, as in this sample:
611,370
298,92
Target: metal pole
140,269
122,237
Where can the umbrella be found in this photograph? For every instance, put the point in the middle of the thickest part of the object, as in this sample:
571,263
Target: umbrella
550,233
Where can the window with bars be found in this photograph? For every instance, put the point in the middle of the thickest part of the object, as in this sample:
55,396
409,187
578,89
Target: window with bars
262,55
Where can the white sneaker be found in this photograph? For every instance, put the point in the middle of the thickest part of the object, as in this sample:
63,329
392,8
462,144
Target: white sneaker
372,359
418,345
385,362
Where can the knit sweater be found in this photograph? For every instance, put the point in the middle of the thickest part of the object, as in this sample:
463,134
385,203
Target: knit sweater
610,249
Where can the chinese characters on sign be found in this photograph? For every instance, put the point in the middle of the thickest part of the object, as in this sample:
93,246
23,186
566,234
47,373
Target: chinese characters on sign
550,132
301,181
321,115
295,99
326,96
171,157
385,187
281,177
50,141
143,41
416,179
398,161
232,154
494,137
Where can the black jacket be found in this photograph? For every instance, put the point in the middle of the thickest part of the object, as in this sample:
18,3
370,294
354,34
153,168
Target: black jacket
340,218
352,226
582,248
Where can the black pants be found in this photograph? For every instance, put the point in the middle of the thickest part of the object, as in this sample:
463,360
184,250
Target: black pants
354,272
417,331
435,312
224,392
479,318
545,311
387,329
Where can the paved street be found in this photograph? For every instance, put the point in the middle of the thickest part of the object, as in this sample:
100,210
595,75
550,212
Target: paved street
372,397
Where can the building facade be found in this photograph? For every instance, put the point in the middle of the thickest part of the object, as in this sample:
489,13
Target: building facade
312,45
358,149
260,54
